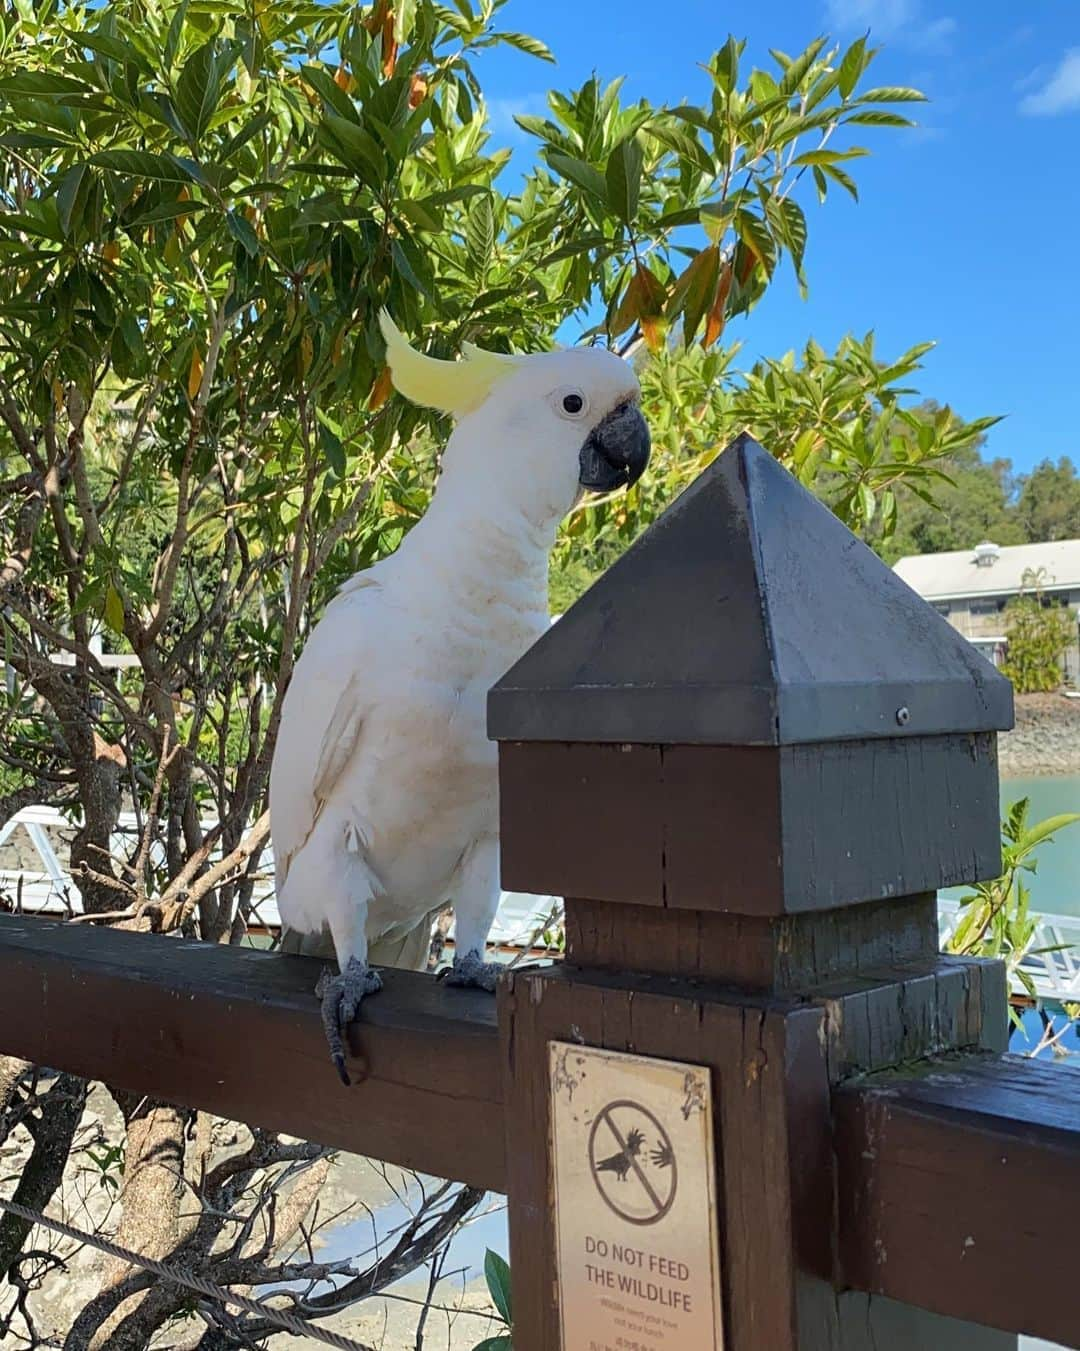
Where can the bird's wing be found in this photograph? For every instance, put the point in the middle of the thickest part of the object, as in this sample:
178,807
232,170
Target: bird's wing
321,720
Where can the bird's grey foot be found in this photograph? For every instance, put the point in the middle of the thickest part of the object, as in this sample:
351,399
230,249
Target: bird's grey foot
341,994
470,970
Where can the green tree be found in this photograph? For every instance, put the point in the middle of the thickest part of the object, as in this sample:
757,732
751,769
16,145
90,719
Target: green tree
1038,633
1049,503
973,505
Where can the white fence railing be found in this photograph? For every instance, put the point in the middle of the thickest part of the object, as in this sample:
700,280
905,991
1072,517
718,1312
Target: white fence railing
1054,960
1054,963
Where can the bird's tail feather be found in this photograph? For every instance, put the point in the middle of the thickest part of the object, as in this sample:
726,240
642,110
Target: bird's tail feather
410,950
326,878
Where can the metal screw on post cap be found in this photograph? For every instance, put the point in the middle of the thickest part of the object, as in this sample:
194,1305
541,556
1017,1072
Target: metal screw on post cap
903,715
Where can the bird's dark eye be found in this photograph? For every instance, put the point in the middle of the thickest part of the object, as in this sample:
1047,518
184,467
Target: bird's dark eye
569,401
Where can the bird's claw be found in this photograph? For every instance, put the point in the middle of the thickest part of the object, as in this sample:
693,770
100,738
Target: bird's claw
470,971
341,994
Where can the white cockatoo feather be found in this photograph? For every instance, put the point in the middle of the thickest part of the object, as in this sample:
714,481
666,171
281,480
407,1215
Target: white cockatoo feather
383,793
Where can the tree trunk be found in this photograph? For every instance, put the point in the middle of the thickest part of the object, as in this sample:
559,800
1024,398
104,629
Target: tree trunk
61,1112
99,794
151,1197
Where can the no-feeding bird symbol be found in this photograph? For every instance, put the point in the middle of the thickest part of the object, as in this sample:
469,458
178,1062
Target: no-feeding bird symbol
632,1162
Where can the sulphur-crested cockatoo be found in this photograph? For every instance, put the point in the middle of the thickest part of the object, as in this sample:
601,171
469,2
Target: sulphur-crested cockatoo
384,793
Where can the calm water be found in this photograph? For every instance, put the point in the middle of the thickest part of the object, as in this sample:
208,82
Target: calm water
1055,887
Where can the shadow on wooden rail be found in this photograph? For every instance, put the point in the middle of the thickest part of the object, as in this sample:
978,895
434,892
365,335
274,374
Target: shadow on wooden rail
236,1031
951,1175
959,1184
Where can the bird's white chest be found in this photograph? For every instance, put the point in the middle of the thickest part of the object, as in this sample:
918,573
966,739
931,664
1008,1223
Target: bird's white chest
432,743
422,784
429,781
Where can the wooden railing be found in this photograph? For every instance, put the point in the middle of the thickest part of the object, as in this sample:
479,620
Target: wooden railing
750,885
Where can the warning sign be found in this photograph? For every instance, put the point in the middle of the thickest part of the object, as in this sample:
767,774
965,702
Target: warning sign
635,1208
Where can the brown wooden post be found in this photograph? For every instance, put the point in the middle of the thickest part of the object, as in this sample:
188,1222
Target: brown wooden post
748,757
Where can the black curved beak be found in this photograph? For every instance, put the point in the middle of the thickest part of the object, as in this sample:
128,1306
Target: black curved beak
616,452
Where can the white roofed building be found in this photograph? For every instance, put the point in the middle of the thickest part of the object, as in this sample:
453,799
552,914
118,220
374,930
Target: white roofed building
971,588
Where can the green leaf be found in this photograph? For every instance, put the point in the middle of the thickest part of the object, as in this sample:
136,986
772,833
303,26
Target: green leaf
683,215
536,126
407,267
497,1276
172,37
687,147
246,132
789,226
336,99
577,171
764,88
754,233
724,68
43,85
573,247
199,89
111,48
417,214
796,72
113,611
243,232
623,179
756,111
524,43
829,156
456,194
133,337
822,87
480,232
30,140
91,596
892,94
166,211
140,164
47,228
715,217
852,66
332,448
102,307
360,149
71,190
838,175
501,1343
1038,833
695,116
796,224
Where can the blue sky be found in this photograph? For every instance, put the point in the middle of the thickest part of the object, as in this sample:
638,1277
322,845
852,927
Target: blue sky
967,228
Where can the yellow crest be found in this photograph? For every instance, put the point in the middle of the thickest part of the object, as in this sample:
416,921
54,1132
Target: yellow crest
455,387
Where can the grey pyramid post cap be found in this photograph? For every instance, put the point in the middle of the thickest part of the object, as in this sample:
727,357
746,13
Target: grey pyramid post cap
748,615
